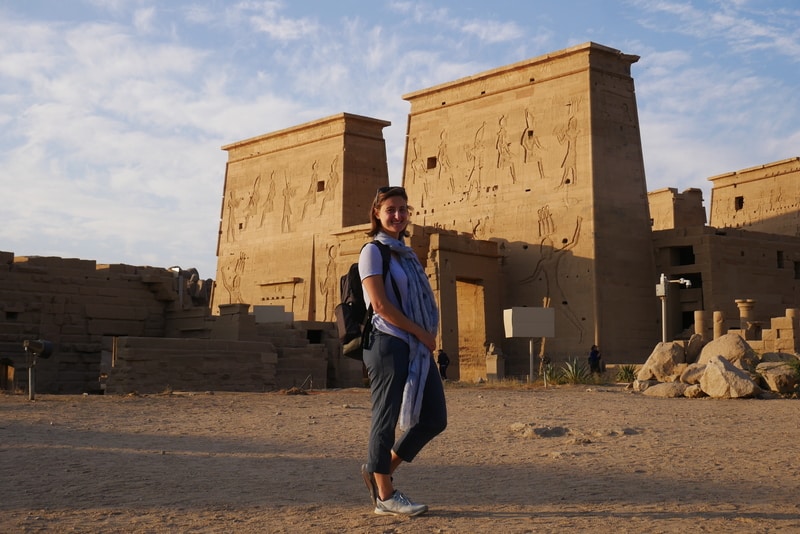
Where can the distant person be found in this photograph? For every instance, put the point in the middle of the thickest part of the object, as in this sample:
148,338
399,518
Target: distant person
398,355
594,360
443,360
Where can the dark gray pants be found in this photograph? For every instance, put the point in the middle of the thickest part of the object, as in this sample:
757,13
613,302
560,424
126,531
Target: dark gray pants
386,359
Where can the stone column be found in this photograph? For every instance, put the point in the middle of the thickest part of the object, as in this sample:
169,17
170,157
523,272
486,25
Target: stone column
745,312
700,323
719,324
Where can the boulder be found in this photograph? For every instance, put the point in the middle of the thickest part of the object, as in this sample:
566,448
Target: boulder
668,390
694,392
779,377
641,385
693,373
733,348
662,363
723,380
693,348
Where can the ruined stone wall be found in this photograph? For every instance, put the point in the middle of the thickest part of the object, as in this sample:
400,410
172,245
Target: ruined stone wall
79,306
544,157
725,265
284,195
670,209
148,365
762,199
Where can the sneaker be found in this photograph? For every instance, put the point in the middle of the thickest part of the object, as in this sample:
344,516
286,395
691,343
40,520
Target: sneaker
399,504
372,486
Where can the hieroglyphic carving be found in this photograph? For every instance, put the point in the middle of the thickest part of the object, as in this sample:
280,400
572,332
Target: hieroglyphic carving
333,183
481,227
546,223
548,267
311,194
530,144
505,159
232,277
474,155
269,201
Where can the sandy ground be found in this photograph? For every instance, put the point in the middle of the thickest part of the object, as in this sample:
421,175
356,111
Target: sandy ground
569,458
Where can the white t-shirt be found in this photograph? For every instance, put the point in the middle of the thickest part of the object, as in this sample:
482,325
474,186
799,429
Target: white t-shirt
370,263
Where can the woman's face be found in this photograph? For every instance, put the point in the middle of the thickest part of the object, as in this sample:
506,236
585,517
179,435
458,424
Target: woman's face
393,215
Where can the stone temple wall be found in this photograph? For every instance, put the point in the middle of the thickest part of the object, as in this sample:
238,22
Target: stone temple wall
761,199
544,157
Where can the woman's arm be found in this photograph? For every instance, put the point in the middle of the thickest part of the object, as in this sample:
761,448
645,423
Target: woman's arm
376,290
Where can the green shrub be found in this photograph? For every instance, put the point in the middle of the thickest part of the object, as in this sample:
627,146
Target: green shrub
574,372
794,363
626,373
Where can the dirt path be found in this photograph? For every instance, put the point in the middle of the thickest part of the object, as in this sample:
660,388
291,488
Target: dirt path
511,460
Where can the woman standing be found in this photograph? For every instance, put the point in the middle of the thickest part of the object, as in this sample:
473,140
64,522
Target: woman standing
405,385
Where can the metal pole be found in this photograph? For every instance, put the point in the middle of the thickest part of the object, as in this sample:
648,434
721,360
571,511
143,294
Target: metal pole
31,375
530,350
664,318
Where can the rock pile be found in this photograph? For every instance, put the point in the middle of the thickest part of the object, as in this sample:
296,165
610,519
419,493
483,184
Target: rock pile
725,368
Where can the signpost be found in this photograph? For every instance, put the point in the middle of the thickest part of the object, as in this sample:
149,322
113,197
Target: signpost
530,323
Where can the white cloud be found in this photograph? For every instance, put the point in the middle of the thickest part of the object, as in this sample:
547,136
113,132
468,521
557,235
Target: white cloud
493,31
113,129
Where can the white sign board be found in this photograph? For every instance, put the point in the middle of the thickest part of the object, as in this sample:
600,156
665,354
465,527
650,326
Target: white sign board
530,322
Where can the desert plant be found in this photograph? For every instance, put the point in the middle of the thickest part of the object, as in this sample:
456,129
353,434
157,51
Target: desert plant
626,373
794,363
575,372
550,374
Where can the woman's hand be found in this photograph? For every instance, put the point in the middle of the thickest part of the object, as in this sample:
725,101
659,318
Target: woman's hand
427,339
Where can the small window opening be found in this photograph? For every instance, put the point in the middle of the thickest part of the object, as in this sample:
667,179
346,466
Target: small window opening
738,203
431,163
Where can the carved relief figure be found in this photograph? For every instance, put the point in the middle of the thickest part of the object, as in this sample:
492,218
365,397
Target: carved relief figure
288,194
548,267
531,145
475,158
232,278
503,147
568,136
328,286
232,204
333,183
269,201
418,162
444,161
311,194
251,210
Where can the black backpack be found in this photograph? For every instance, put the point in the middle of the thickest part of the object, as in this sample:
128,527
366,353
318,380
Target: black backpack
353,319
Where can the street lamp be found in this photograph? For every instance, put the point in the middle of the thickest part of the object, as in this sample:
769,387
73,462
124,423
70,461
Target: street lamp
661,292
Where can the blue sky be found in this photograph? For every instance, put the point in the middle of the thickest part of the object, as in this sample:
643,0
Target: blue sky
113,112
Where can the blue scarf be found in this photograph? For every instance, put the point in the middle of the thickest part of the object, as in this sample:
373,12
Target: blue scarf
420,306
